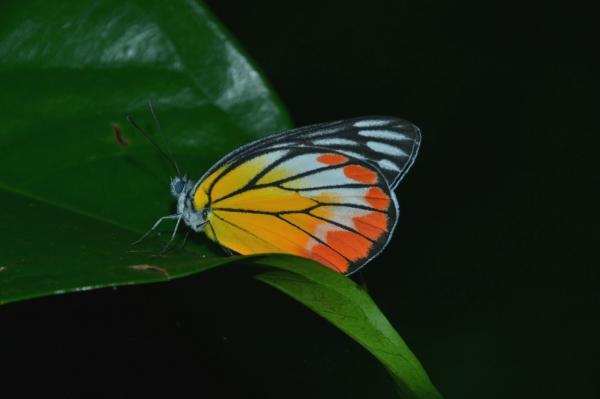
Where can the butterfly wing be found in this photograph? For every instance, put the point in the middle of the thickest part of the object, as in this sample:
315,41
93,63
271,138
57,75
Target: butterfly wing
324,192
325,206
387,143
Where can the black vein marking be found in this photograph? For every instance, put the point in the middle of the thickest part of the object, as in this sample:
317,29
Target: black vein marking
376,245
350,229
332,187
273,232
303,138
290,155
319,204
307,212
251,185
318,240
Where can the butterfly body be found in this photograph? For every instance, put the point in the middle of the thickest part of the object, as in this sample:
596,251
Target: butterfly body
324,192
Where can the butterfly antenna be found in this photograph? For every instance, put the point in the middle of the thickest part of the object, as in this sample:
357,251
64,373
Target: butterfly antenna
163,137
172,159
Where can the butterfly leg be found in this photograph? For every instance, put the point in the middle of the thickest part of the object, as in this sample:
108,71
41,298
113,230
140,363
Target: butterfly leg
172,237
227,251
155,225
186,236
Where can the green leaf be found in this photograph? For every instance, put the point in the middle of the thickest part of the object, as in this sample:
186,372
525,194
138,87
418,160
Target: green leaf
79,184
342,302
74,196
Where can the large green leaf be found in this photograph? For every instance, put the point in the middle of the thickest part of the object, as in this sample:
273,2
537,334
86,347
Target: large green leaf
73,196
348,307
75,193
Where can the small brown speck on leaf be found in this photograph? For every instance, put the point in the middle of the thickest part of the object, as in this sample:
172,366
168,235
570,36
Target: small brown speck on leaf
119,136
149,267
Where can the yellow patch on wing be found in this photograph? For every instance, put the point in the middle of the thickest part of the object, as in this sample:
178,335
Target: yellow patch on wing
251,233
201,196
266,199
304,222
237,177
237,239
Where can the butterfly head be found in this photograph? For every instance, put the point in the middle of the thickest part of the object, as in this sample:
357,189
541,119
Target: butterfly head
179,186
182,189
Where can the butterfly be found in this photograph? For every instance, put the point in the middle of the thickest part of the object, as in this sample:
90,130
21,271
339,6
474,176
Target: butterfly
323,192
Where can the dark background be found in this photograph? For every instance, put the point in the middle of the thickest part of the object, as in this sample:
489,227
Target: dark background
492,278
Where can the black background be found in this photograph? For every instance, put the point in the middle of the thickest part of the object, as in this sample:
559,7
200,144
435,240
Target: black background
492,277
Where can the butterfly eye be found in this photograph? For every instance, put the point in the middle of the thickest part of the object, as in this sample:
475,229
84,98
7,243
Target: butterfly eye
179,186
204,213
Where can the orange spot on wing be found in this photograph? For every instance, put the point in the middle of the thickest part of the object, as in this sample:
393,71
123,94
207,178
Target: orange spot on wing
332,159
360,174
328,257
377,198
349,244
372,225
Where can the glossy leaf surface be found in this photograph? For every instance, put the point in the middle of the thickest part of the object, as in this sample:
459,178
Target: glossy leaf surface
343,303
78,183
